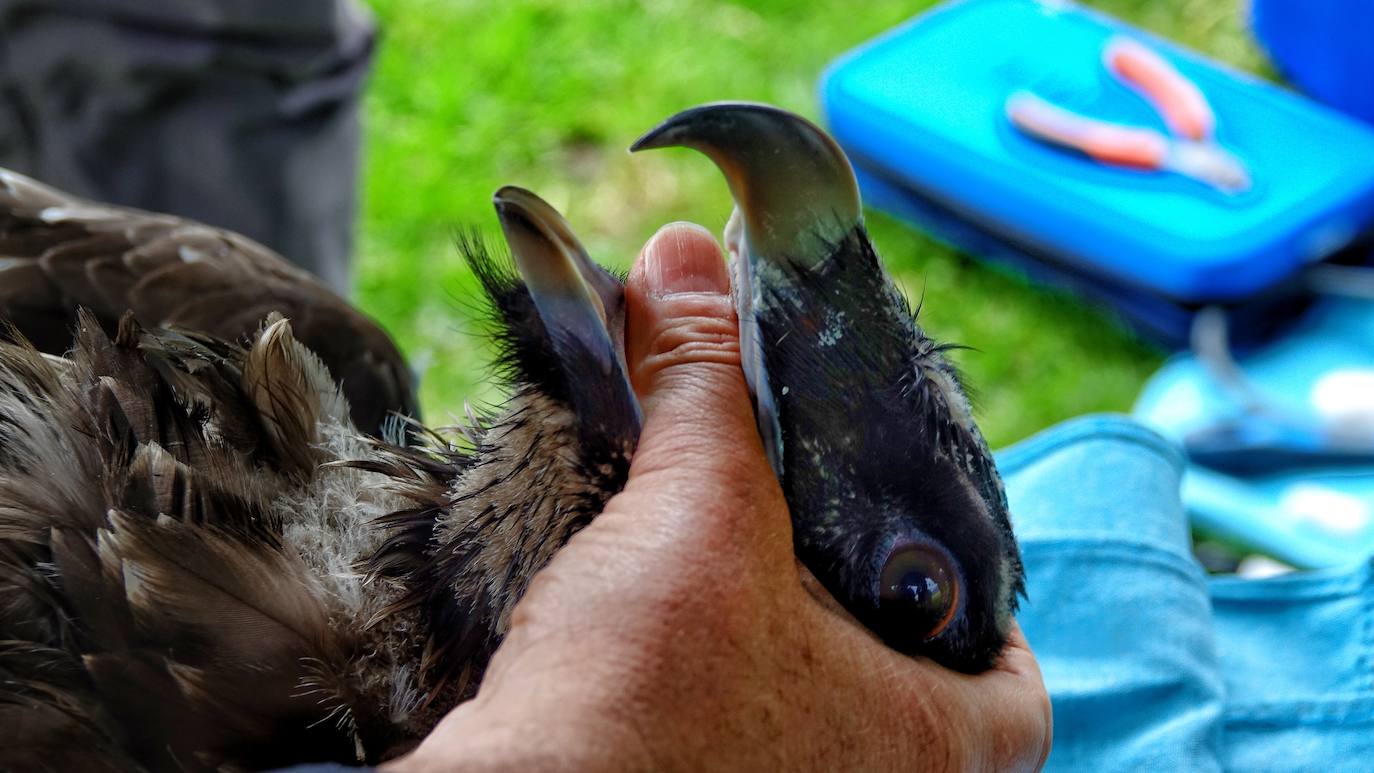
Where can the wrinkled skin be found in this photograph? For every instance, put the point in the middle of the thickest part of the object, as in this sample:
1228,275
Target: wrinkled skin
678,632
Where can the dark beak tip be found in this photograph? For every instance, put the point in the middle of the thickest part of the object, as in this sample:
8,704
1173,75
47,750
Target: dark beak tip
701,122
513,219
521,208
658,137
510,196
709,121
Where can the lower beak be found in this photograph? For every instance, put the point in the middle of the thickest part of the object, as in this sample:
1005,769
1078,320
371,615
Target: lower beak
581,310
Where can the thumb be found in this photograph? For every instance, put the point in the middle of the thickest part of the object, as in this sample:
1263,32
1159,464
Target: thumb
682,348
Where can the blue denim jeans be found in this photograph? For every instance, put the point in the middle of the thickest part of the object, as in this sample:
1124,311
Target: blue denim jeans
1150,664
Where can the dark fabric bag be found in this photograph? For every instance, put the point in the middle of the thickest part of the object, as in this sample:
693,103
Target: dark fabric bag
239,113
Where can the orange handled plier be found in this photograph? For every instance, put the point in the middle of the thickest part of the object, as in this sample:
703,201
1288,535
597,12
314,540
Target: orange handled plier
1189,149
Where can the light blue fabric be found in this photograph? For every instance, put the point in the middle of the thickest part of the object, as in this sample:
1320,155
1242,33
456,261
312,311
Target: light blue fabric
1150,664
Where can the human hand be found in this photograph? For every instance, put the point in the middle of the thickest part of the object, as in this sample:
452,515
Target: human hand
678,631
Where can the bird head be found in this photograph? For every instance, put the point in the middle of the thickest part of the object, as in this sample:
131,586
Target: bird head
485,511
564,322
897,507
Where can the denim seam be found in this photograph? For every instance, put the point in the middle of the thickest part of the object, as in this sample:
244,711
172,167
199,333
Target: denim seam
1312,585
1302,712
1085,430
1109,545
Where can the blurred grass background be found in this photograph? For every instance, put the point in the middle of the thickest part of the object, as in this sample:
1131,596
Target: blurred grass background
469,95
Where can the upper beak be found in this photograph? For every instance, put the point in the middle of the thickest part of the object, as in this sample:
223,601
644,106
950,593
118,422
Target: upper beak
794,188
796,201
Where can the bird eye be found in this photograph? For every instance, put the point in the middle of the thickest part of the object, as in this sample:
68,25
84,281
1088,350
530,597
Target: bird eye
919,583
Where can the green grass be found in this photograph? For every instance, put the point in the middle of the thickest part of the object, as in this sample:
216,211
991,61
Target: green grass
469,95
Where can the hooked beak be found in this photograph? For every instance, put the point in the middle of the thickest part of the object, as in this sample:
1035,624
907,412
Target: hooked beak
796,200
564,281
581,307
794,190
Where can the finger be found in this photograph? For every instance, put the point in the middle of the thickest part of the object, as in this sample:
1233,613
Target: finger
1014,709
699,444
682,336
997,720
1037,721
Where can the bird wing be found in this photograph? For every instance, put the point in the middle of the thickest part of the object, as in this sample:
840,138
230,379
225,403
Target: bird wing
59,253
153,615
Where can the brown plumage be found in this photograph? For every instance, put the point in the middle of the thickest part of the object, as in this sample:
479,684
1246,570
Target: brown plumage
204,565
59,253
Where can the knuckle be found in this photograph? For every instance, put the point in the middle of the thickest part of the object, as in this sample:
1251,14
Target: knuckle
695,338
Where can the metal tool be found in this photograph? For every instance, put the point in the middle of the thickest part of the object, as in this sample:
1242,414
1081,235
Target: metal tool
1189,149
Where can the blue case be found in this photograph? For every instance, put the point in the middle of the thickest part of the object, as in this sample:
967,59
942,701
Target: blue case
921,113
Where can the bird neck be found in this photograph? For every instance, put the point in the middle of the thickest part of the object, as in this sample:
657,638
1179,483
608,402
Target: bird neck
533,481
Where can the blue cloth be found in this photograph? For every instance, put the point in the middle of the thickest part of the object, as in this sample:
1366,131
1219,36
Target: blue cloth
1150,664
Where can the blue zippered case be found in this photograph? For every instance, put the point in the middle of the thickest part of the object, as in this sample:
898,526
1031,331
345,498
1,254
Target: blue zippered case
921,112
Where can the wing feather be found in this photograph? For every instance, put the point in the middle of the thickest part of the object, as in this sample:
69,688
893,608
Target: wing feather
151,613
59,253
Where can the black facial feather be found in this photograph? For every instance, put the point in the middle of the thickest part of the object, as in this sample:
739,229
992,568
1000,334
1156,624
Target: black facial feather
875,451
549,361
523,353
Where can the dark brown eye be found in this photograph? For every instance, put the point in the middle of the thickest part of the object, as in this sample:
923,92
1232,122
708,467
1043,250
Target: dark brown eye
920,583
